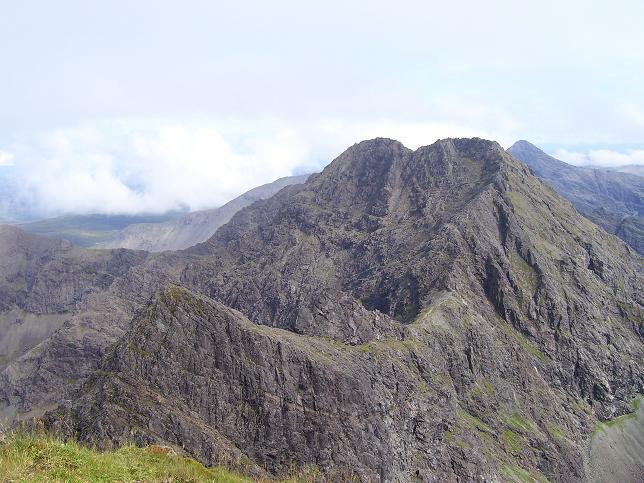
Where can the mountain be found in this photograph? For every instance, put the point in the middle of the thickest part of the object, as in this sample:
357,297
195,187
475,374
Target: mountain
439,315
90,230
193,228
613,200
637,169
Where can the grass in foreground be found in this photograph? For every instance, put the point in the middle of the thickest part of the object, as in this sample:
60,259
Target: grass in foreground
43,458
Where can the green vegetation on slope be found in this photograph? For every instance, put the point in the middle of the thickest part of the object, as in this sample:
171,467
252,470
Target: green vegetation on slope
29,458
88,230
619,421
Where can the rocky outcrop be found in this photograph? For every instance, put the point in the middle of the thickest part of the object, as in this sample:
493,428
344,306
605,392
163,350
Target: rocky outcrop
197,375
62,307
439,314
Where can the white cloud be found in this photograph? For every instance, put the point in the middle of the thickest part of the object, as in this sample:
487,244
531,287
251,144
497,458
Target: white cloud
633,113
602,157
117,170
6,159
149,166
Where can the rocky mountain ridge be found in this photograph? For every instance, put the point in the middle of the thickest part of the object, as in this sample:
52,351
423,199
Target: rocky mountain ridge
439,314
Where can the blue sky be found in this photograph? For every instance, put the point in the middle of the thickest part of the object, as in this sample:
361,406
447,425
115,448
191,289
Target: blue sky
150,105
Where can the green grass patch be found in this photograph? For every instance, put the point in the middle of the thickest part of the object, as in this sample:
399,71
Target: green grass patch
604,426
389,344
527,274
483,387
557,432
517,473
521,424
38,458
473,421
442,379
422,387
513,441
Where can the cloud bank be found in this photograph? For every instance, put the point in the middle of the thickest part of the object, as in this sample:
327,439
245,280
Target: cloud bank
142,170
606,158
153,166
149,166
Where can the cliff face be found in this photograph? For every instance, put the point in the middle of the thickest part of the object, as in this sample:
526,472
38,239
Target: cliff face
438,314
61,307
613,200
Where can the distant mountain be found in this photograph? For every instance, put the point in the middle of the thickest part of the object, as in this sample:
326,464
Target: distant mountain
192,228
89,230
613,200
637,169
431,315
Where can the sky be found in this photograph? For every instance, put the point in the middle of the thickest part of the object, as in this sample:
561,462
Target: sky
147,106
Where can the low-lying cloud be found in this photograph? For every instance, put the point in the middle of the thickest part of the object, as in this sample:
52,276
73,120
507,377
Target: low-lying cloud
602,157
149,166
89,170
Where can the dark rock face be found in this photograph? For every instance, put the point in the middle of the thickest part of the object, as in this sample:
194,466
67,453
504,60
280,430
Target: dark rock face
613,200
439,314
67,305
363,227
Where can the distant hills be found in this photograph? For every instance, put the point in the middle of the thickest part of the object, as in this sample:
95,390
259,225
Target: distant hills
637,169
152,232
89,230
192,228
611,199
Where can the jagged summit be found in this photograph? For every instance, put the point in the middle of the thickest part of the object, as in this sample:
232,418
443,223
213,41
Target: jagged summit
380,178
380,155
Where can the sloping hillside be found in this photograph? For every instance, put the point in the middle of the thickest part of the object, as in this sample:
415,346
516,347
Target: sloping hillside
613,200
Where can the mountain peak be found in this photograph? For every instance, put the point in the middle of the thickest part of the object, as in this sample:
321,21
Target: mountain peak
538,160
524,145
605,197
380,154
381,176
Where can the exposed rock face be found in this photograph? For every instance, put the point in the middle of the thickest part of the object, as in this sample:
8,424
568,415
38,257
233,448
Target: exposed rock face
192,228
43,281
438,314
62,306
613,200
